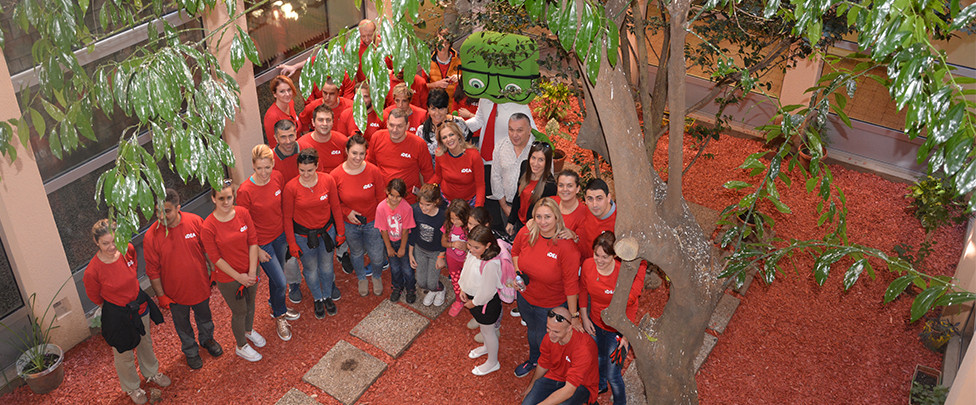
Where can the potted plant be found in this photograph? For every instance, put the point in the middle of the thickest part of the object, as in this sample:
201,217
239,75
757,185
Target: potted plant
41,364
926,387
936,334
558,155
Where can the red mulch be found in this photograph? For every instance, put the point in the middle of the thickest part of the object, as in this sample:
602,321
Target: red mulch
789,343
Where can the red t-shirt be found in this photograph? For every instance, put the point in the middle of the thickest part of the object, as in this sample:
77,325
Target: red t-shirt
175,257
115,282
273,115
461,177
360,192
599,290
575,219
590,229
552,266
308,114
311,207
419,88
331,153
414,120
264,205
407,160
373,124
525,196
574,363
230,241
287,166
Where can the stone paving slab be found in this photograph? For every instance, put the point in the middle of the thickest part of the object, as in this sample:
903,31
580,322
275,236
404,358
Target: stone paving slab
296,397
345,372
723,313
390,327
706,348
434,311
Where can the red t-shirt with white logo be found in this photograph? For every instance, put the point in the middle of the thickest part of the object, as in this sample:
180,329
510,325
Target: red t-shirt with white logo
230,241
347,123
461,176
414,120
311,207
331,153
406,160
599,290
590,229
574,363
115,282
360,192
264,205
175,257
552,266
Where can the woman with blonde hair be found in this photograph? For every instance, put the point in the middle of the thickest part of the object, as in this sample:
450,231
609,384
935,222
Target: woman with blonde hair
261,195
458,168
549,268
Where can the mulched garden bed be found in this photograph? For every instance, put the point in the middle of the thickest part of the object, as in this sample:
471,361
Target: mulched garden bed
791,342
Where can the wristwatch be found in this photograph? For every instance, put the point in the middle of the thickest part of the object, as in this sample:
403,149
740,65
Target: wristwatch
575,314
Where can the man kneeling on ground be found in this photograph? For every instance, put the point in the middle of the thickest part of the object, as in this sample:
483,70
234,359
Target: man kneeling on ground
567,372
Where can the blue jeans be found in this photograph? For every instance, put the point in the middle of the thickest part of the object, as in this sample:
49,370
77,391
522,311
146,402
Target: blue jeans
317,264
277,288
535,322
400,271
544,387
610,372
362,240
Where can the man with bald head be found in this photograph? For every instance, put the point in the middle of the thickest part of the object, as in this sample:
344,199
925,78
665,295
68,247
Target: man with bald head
567,372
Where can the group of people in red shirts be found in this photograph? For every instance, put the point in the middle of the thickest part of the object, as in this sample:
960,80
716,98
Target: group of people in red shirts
382,192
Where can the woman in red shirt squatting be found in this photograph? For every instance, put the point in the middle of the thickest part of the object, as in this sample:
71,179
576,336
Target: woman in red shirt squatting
283,90
231,242
549,267
360,187
261,195
111,282
458,168
598,278
310,207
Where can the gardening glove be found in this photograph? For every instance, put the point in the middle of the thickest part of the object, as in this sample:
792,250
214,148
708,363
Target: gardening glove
619,354
164,301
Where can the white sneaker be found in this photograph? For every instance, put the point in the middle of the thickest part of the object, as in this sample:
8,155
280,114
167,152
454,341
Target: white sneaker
248,353
439,297
255,338
429,298
523,322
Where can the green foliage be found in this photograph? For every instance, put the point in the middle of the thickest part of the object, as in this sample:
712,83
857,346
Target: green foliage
38,333
553,99
934,203
922,394
936,333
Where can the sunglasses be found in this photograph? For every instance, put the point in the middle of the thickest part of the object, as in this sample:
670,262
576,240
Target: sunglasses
557,317
541,145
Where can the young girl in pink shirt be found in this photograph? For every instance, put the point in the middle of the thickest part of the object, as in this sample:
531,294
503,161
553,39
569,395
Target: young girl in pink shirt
394,219
455,240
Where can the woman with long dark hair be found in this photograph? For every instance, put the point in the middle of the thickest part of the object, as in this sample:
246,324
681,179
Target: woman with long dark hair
535,183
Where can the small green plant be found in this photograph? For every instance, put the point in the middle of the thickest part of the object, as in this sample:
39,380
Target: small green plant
922,394
38,334
553,100
934,205
936,333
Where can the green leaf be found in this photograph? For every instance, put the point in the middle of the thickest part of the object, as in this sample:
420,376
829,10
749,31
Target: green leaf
954,298
770,9
249,48
39,125
236,53
963,18
613,43
780,206
965,179
852,274
736,185
534,8
54,141
924,301
897,287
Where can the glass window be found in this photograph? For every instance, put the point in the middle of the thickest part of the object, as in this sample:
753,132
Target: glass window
285,28
10,298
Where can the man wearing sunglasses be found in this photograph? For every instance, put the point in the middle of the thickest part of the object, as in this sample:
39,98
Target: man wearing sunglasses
567,372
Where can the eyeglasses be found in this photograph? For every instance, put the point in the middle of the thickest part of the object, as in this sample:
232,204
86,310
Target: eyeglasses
557,317
541,145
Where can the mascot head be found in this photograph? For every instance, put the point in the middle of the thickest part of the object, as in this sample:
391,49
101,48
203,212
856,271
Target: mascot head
499,67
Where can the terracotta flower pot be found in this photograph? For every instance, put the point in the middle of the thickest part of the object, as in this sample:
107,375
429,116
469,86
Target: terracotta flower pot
50,378
558,160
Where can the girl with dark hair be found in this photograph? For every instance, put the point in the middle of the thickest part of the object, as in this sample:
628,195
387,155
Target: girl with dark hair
394,219
598,279
358,183
111,282
231,241
535,183
454,237
480,280
310,207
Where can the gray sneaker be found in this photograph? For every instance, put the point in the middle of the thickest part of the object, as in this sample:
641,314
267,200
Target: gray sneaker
138,396
363,287
377,285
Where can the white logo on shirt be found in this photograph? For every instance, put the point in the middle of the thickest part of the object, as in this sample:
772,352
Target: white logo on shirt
190,235
277,192
368,186
243,228
323,197
608,292
374,124
552,255
406,155
337,152
568,360
130,263
465,170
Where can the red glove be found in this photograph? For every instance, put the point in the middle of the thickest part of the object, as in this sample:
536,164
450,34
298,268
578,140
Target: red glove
164,301
340,239
295,251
